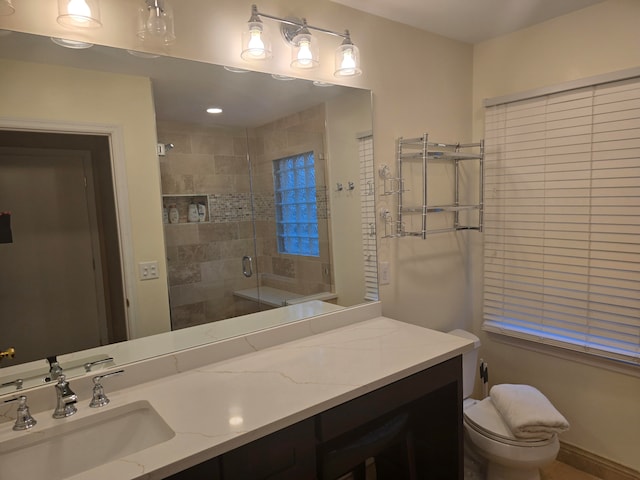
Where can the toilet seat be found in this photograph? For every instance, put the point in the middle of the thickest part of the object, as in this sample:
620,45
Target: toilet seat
487,421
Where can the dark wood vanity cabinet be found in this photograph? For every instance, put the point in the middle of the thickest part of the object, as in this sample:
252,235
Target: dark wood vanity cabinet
428,403
288,454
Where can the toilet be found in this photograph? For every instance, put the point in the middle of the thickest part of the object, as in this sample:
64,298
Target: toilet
489,442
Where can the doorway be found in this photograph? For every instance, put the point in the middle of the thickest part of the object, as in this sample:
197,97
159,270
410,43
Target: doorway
61,286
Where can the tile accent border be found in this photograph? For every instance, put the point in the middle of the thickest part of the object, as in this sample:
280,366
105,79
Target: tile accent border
595,465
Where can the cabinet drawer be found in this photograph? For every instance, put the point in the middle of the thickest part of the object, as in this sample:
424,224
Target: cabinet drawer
372,406
289,454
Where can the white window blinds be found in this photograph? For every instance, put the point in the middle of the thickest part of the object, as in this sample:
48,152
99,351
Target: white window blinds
368,211
562,220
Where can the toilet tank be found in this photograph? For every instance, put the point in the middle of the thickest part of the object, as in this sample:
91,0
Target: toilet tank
469,362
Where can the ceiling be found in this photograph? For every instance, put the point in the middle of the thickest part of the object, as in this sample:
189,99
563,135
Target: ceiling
469,21
183,89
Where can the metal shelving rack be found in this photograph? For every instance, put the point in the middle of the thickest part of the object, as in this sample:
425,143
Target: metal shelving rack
420,149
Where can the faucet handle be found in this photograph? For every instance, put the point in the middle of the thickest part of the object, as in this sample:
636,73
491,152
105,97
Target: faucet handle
55,369
24,420
18,382
99,398
89,365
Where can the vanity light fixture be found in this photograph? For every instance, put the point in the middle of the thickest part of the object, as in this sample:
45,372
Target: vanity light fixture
6,8
155,22
304,49
256,43
79,13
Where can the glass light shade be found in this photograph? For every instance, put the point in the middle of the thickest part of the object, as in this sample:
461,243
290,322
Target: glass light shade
304,53
347,61
74,44
155,23
6,7
79,13
256,44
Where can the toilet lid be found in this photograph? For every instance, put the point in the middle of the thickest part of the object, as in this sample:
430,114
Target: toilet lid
484,418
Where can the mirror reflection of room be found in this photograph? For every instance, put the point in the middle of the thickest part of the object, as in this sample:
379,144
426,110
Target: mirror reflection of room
160,275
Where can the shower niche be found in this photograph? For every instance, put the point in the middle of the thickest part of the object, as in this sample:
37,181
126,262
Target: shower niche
188,209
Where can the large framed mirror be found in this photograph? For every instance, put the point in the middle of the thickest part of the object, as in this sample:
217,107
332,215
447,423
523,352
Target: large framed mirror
255,209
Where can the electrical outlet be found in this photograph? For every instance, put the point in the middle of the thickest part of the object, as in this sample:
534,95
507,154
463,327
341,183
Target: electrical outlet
148,270
385,276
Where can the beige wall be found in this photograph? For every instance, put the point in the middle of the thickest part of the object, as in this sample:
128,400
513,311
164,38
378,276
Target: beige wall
601,405
45,93
347,116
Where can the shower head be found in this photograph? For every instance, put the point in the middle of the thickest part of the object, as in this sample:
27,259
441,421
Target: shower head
163,148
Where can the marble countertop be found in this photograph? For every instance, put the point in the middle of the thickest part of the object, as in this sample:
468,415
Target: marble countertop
218,407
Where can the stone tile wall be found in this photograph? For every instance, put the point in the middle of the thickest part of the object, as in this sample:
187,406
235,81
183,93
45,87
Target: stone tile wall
209,164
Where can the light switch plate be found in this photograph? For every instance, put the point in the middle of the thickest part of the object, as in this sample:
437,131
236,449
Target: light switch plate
148,270
385,276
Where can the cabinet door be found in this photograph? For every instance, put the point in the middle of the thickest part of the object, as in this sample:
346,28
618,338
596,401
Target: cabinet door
209,470
288,454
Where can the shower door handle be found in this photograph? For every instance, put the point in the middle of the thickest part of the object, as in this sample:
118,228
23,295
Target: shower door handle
247,266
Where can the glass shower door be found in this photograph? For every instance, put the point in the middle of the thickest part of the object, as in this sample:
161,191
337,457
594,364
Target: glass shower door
213,274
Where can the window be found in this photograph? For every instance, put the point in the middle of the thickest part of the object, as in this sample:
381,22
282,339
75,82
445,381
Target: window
296,207
562,220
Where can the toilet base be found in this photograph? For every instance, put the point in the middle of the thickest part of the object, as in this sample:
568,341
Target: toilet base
496,471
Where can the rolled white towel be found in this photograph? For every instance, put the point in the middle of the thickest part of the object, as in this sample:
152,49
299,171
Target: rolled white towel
527,412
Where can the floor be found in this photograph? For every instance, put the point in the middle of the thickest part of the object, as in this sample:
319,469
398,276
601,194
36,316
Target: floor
562,471
555,471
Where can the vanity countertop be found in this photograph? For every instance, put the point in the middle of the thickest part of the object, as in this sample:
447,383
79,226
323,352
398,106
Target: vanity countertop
218,407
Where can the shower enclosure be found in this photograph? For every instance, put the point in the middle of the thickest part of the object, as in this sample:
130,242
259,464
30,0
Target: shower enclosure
254,248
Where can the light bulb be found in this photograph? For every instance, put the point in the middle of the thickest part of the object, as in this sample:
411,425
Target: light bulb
348,64
256,45
79,10
156,24
305,57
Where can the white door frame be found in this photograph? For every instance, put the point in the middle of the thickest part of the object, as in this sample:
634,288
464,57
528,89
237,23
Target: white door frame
121,192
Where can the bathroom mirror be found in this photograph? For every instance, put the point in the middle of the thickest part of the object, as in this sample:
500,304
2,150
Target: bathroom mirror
251,101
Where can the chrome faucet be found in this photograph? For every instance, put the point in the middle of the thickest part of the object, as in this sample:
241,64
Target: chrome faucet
66,399
100,399
24,420
55,370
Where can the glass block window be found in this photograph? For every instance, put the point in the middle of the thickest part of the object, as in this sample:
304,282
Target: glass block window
296,207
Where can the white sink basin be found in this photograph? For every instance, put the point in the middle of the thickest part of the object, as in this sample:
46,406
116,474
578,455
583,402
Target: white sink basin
74,446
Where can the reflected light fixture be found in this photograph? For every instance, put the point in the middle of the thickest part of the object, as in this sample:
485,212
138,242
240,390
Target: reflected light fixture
79,13
155,22
73,44
6,8
304,48
214,110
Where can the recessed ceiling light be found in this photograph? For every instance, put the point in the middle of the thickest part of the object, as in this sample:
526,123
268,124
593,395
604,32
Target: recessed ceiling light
75,44
214,110
318,83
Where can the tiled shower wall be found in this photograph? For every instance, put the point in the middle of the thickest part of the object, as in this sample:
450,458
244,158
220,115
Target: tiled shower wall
209,165
298,133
